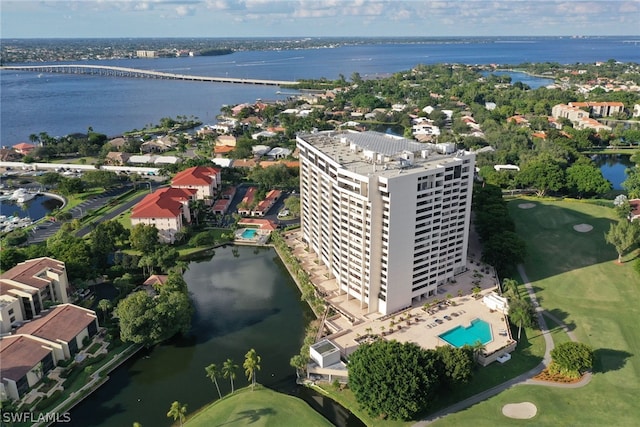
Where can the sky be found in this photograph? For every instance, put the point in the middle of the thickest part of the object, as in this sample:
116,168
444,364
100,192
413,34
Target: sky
316,18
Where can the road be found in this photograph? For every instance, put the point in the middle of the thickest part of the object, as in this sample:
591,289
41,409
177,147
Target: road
49,228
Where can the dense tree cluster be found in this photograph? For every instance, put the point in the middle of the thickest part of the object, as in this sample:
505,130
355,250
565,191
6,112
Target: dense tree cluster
148,320
502,247
78,144
397,380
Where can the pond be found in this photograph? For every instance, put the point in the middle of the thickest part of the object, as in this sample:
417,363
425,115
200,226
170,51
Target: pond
244,298
613,167
516,76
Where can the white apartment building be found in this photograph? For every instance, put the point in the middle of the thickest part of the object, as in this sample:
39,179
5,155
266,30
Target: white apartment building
387,215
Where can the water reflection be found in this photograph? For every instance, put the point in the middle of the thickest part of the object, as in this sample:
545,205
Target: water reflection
613,167
243,299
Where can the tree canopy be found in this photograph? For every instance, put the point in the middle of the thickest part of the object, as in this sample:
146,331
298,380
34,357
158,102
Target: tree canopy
149,320
393,379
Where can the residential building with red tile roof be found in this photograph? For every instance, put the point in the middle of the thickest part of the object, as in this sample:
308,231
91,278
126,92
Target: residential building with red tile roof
156,280
518,119
165,209
36,347
35,282
568,112
245,206
261,224
221,206
600,109
287,163
205,180
25,360
262,208
66,324
244,163
24,148
222,150
589,123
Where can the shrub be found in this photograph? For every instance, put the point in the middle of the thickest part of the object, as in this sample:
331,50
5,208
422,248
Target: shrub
49,401
205,238
571,359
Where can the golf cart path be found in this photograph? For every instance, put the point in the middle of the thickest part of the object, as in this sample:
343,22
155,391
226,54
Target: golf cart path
525,378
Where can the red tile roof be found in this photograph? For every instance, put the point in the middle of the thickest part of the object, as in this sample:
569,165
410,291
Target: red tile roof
268,201
163,203
263,224
287,163
19,354
197,175
156,279
223,149
249,195
23,146
30,272
243,163
64,322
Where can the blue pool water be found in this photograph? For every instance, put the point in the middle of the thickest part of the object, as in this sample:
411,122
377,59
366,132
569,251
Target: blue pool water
460,336
248,234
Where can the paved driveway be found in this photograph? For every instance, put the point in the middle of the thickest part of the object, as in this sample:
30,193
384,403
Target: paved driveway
48,228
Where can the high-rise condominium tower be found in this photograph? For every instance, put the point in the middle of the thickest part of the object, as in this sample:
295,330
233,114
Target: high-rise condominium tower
387,215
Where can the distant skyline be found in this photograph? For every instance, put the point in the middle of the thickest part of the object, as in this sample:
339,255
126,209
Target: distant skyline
316,18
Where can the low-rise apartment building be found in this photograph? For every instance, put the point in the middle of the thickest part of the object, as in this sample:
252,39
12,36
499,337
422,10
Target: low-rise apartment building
38,345
167,209
204,179
31,284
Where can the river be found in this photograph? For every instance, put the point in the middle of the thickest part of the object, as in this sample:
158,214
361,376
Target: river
244,298
61,104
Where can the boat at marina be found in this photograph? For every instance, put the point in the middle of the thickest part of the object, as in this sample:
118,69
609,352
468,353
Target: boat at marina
13,223
21,195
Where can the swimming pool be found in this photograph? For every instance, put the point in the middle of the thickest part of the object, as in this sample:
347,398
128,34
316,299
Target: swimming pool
249,233
460,336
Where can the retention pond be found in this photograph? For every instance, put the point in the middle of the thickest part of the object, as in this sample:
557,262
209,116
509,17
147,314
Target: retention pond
244,298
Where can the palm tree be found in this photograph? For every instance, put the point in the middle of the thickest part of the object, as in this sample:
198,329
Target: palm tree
104,305
477,349
229,371
212,374
178,411
251,365
521,313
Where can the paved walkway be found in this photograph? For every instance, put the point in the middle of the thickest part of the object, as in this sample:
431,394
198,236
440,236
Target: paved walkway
525,378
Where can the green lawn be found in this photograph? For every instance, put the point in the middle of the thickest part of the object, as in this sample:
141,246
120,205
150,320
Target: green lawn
577,280
261,407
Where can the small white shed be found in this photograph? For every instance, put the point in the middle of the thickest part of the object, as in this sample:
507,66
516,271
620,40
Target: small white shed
325,353
496,302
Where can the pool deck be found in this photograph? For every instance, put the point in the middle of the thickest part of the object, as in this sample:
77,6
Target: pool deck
355,322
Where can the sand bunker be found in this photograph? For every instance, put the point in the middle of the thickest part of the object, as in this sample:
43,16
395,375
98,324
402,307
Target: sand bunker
520,411
526,205
582,228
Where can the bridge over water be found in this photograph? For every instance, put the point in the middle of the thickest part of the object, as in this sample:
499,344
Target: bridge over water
106,70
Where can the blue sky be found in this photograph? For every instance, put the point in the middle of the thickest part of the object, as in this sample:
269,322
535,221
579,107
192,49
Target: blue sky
313,18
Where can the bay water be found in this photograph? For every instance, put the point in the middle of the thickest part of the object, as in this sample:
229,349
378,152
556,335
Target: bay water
61,104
